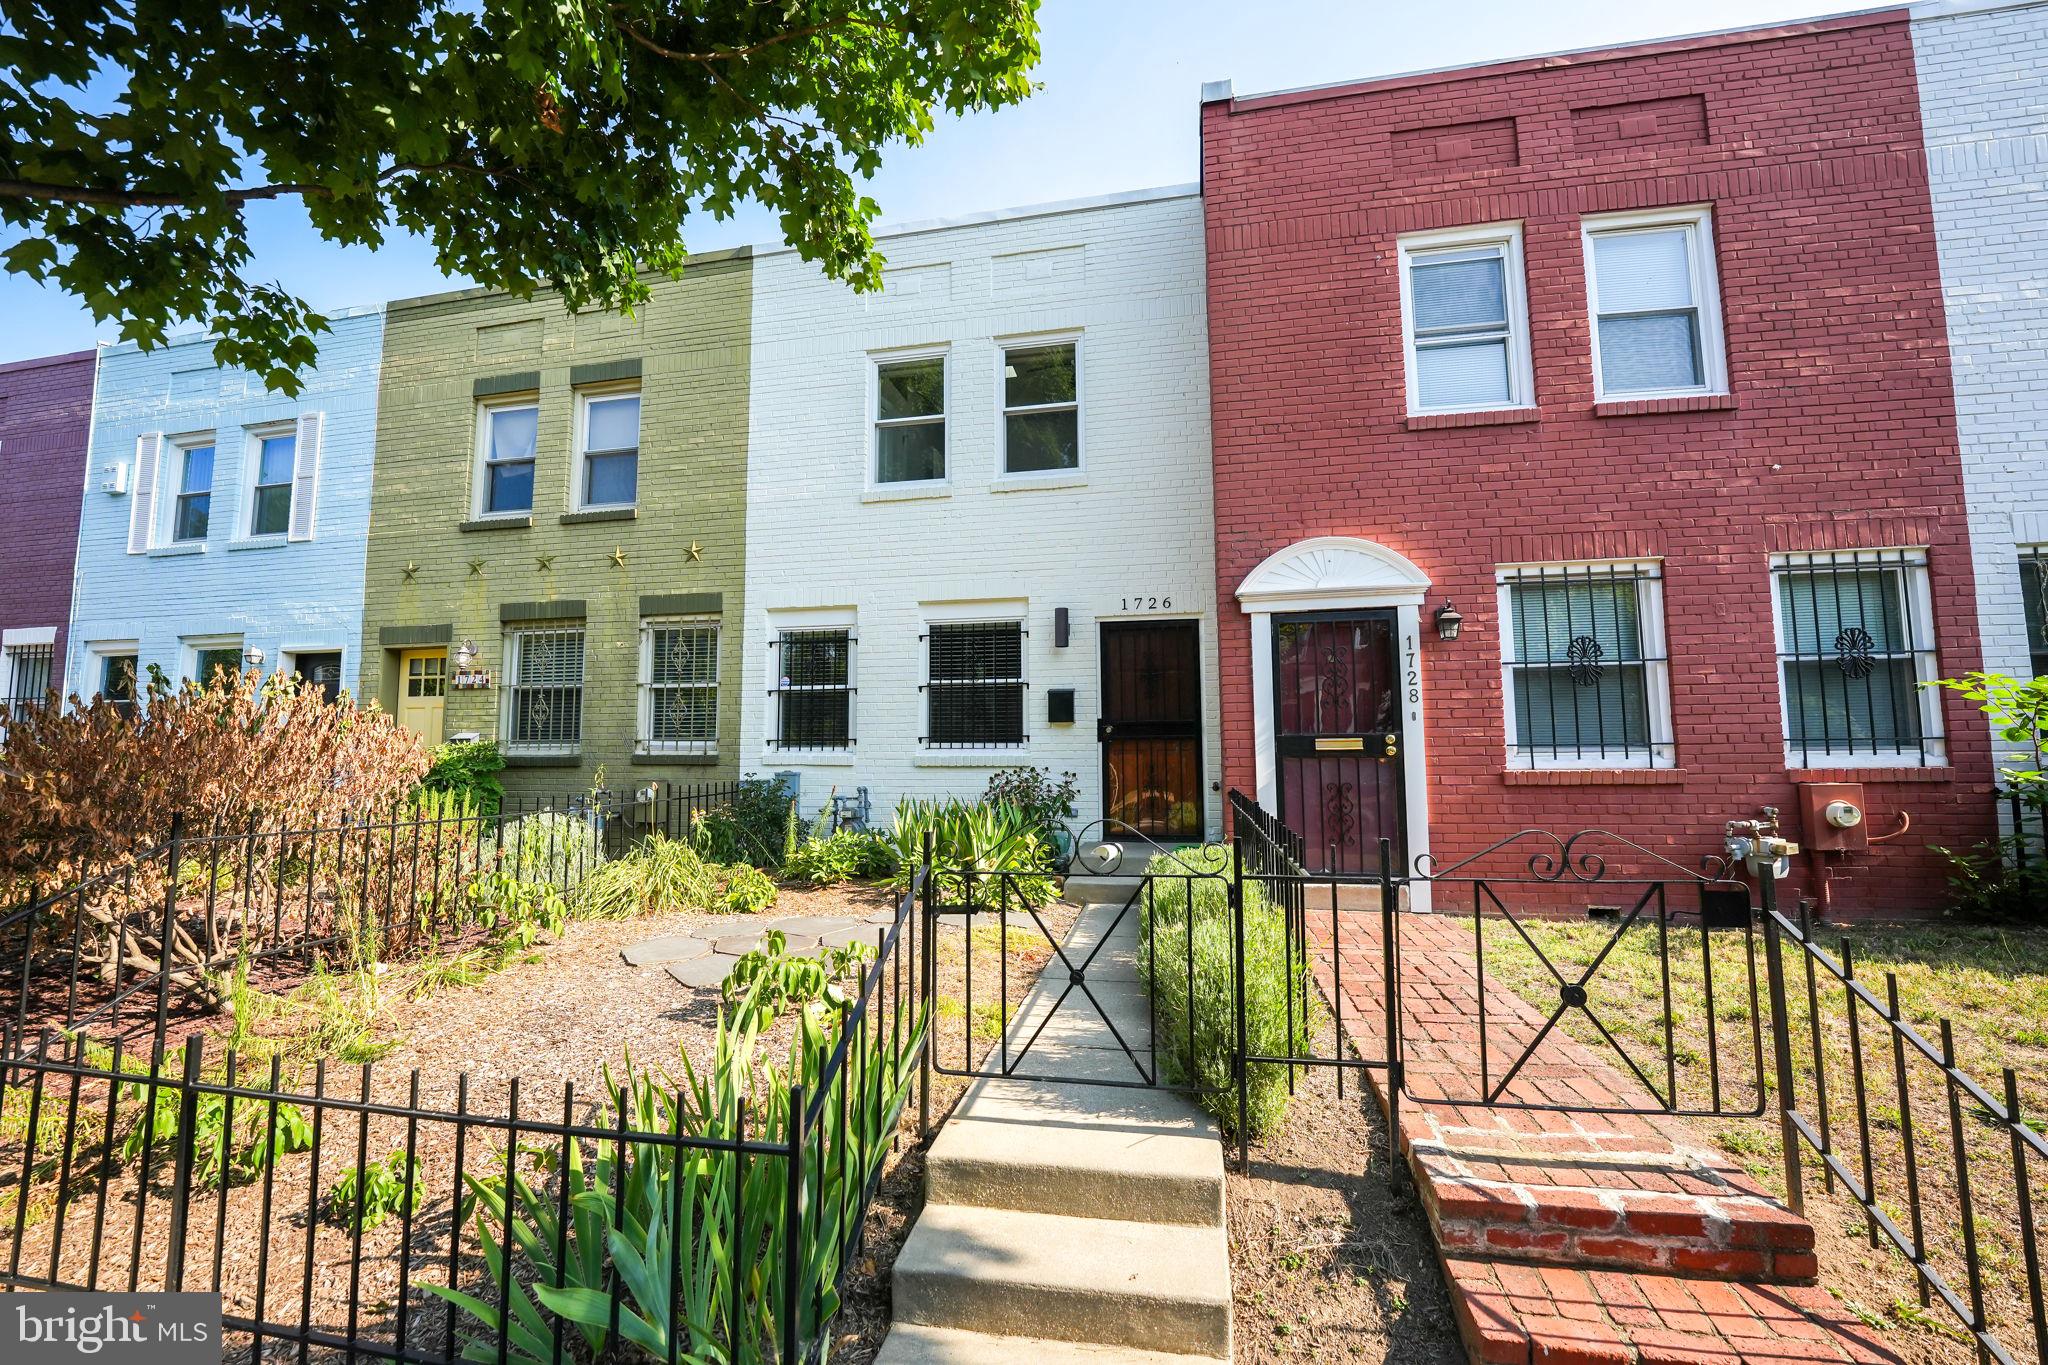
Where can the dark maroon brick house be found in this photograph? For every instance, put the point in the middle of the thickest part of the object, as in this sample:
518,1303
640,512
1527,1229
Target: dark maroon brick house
45,418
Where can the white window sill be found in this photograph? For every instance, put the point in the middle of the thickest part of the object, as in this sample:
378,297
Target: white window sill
1053,478
907,492
260,543
1545,763
1006,757
1654,395
807,758
1807,760
195,547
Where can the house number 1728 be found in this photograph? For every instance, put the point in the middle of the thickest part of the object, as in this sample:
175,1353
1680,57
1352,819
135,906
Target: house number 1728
1148,604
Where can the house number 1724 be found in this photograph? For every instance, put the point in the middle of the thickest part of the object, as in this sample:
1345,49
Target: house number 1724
1148,604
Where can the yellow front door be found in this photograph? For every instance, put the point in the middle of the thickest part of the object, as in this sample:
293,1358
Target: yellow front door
422,692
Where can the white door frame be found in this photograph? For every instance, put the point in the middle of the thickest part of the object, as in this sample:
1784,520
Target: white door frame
1343,573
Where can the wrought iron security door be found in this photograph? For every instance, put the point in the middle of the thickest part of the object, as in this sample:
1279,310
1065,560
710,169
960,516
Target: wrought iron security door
1151,728
1337,727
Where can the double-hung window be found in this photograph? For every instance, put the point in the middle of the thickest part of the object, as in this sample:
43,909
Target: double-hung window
910,419
814,688
193,506
679,687
544,703
216,662
974,685
28,670
270,501
608,450
2034,600
1855,650
1655,304
117,681
1466,319
509,438
1041,407
1584,669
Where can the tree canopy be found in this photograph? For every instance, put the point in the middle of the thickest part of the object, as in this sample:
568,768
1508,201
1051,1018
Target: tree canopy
535,145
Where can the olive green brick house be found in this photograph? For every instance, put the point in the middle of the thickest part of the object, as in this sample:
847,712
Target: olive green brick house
557,535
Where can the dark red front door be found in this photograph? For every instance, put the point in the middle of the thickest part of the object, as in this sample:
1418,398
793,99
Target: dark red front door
1338,734
1151,728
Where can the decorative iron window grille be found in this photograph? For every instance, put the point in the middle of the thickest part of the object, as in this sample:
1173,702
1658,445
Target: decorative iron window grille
974,693
1584,667
544,703
814,691
28,678
679,687
1855,643
2034,598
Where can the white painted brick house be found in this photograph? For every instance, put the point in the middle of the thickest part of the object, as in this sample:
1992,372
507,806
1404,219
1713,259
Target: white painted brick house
982,495
1984,108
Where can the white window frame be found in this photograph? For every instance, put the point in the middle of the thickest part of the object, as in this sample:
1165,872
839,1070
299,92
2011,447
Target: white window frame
987,613
171,476
480,477
644,741
578,480
1698,220
252,470
23,638
1931,751
97,652
190,647
1507,237
1039,478
908,488
782,623
514,643
1648,575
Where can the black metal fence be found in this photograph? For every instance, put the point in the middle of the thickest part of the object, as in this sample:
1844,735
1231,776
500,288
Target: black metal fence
153,935
716,1218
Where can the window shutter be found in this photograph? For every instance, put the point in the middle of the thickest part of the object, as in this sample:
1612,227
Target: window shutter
306,474
142,505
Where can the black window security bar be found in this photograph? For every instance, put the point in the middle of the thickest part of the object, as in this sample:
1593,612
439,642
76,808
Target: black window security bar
545,700
814,689
1854,646
974,696
28,678
2034,597
681,689
1585,665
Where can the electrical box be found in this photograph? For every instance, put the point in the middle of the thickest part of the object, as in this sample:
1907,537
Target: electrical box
1059,705
1833,818
114,479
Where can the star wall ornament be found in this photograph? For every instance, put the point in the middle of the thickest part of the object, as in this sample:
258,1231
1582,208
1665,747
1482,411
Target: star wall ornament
619,555
410,571
476,568
695,552
546,562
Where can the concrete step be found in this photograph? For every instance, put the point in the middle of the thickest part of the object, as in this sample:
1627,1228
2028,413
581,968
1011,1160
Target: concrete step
1132,1155
910,1344
1005,1272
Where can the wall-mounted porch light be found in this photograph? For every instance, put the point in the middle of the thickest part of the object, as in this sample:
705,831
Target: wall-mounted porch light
465,654
253,657
1448,622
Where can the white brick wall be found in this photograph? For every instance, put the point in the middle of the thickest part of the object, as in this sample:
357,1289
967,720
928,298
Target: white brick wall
1128,276
1984,107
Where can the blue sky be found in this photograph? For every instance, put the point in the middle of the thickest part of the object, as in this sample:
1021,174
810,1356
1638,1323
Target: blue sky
1117,110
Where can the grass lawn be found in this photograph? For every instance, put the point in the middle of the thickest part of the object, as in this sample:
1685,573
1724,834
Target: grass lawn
1990,983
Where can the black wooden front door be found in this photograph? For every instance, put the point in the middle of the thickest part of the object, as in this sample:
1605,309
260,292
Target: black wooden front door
1151,728
1336,695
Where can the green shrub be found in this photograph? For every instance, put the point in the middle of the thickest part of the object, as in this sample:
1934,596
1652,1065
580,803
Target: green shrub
1047,804
849,855
1197,1035
746,829
468,769
2006,880
972,837
660,874
364,1197
547,846
748,890
770,979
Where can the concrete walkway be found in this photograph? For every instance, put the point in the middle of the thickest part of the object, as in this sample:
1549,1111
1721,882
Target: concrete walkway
1068,1221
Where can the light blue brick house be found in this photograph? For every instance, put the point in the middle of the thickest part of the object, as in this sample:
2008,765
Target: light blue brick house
222,520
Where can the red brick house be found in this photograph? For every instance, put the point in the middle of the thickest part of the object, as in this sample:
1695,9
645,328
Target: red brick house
1634,359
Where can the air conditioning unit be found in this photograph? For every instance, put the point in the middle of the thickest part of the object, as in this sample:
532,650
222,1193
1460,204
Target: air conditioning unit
114,479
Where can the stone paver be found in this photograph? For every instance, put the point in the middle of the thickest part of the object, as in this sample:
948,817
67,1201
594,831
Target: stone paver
653,952
735,945
701,973
852,933
808,926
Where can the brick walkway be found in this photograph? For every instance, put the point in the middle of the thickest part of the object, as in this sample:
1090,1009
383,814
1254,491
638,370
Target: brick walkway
1574,1237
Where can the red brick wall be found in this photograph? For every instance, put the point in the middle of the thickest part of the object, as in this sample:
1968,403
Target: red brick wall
1806,142
45,416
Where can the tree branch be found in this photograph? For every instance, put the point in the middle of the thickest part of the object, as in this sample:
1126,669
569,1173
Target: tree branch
108,197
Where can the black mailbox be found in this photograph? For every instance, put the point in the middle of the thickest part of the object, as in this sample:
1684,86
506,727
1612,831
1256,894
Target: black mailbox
1059,705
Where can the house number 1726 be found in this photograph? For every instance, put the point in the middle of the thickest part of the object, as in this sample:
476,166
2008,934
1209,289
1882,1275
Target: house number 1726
1148,604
